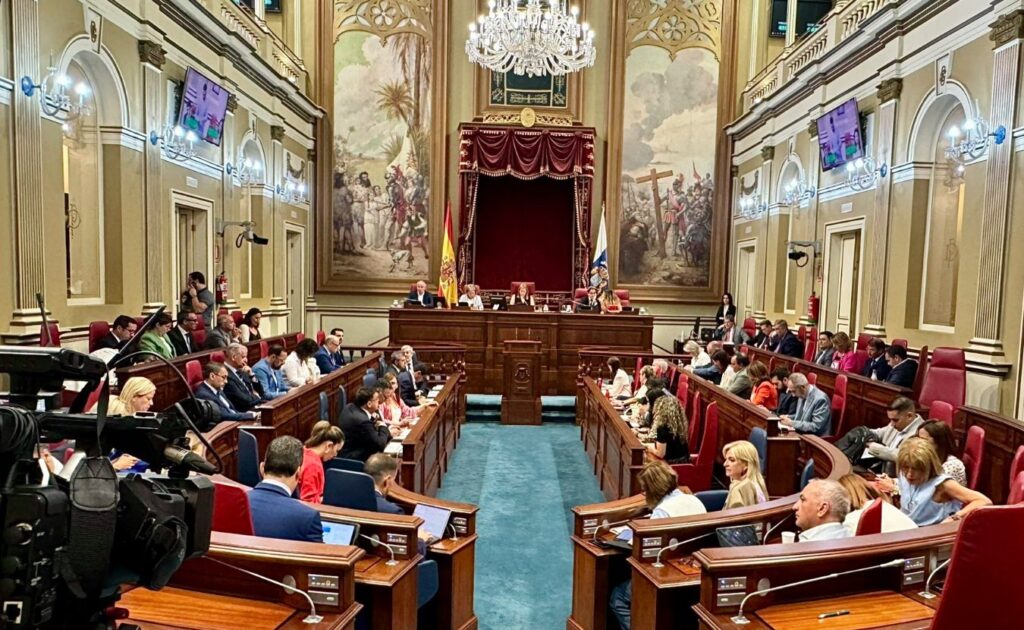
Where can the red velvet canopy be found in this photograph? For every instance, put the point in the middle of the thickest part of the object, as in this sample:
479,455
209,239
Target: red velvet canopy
526,154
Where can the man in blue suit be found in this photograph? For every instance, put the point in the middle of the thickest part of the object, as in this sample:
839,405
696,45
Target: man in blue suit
327,356
383,469
420,295
787,343
813,411
268,373
212,389
275,514
902,371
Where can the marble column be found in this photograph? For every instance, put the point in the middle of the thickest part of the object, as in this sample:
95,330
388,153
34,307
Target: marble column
767,157
805,280
1006,36
888,95
279,309
29,239
229,210
151,56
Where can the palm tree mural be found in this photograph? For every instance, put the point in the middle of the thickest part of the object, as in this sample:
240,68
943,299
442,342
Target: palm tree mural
394,99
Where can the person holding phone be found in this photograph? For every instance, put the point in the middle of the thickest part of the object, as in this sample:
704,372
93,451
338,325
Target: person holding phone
198,298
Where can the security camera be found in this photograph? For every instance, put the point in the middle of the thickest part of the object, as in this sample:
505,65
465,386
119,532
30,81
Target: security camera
255,238
796,256
248,232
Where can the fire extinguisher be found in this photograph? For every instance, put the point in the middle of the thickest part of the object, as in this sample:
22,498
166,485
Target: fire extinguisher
222,288
813,304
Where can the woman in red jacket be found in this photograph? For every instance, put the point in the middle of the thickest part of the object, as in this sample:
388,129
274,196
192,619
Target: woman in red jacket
323,444
764,392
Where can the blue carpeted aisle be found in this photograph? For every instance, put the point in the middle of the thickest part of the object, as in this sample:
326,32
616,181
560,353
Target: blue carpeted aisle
525,480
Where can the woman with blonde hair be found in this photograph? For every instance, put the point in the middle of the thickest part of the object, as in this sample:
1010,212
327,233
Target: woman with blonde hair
862,494
743,467
700,358
669,429
136,395
324,443
845,358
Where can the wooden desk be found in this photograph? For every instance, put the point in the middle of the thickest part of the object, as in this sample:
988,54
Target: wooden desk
429,445
169,388
483,332
866,400
1003,436
612,446
728,575
868,610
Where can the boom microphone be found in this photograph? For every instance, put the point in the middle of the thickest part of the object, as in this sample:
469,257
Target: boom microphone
184,457
774,527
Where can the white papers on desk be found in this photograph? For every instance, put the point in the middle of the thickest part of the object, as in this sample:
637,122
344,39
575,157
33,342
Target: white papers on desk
394,449
404,433
432,394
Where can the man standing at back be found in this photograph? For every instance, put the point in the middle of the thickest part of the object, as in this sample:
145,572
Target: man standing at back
275,514
365,432
197,297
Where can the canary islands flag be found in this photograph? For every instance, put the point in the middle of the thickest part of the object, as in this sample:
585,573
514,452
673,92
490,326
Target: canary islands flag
448,286
601,250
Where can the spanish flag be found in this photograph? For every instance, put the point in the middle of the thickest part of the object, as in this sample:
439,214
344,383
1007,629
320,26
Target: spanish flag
448,286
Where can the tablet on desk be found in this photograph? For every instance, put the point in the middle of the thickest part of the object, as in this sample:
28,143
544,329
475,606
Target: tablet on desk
336,533
435,520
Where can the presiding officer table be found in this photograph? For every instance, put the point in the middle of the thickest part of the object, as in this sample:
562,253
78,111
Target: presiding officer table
484,333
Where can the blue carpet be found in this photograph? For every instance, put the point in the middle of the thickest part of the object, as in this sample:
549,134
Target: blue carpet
525,480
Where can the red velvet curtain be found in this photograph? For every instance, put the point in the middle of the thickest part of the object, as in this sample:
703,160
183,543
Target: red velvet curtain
557,154
525,233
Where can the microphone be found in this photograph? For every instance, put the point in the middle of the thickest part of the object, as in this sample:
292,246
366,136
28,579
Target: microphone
376,542
741,620
927,592
455,532
184,457
764,541
604,525
311,618
657,561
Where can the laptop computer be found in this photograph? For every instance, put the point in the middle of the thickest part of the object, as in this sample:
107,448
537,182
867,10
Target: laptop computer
522,308
338,533
435,520
737,536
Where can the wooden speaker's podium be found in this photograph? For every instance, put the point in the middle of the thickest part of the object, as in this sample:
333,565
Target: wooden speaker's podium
521,384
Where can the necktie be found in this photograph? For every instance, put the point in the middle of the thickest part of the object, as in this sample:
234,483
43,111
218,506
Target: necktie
188,343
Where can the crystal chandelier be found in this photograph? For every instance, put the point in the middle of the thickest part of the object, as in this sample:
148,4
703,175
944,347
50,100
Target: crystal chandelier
531,37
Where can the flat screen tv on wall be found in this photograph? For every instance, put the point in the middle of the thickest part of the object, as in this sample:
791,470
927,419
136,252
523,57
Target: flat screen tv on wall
840,137
203,107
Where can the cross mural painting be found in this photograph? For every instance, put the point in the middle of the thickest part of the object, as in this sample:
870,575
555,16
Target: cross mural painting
653,179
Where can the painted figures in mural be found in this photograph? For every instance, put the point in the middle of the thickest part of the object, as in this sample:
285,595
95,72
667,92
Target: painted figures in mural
667,194
381,194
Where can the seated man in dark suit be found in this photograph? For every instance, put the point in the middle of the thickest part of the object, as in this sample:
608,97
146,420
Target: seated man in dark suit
590,304
327,356
339,356
212,389
120,333
275,514
903,370
787,401
181,335
763,339
787,343
416,368
365,431
876,368
383,469
422,296
223,335
242,389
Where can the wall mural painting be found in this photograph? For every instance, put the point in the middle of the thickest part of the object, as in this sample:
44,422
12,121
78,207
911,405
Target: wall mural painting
380,194
670,120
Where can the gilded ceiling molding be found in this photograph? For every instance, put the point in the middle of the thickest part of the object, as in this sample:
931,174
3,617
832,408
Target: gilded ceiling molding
890,90
674,25
384,18
1007,28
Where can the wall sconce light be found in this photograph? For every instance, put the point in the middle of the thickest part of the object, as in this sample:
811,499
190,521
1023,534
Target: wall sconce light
797,192
752,207
291,192
58,98
972,141
177,143
247,173
863,173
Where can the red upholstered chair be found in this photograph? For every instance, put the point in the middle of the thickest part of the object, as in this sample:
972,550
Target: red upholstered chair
97,331
237,316
623,295
683,390
862,341
750,327
946,379
987,548
801,334
299,338
922,369
812,378
199,334
530,286
193,374
231,512
974,451
870,519
811,344
941,411
264,349
580,294
221,311
900,342
53,339
697,476
693,414
93,399
673,374
839,406
217,356
1016,495
1017,465
320,336
636,373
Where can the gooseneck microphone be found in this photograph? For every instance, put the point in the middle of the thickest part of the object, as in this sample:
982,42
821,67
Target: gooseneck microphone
741,620
657,561
605,525
764,541
455,532
377,542
927,592
311,618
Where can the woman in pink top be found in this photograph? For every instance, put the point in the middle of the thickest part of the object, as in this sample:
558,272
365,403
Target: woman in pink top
323,444
846,358
392,408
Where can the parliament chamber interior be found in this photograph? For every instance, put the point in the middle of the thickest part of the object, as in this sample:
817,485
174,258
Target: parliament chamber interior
538,314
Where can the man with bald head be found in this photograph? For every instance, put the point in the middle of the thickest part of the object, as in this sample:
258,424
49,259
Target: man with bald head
421,296
223,335
820,510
